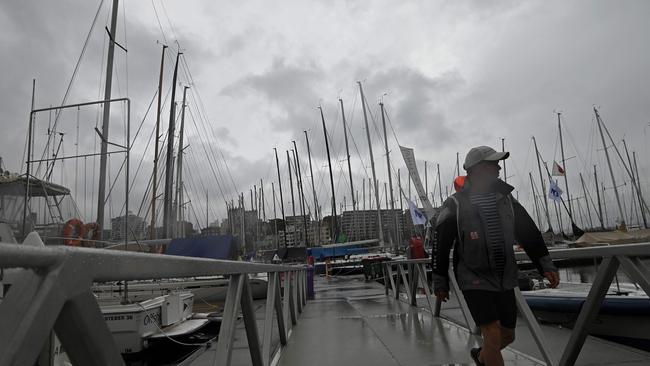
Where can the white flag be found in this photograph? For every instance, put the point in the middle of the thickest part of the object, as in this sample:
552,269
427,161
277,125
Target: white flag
417,216
554,192
557,170
409,159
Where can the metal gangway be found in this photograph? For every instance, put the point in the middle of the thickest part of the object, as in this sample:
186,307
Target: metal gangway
53,292
410,275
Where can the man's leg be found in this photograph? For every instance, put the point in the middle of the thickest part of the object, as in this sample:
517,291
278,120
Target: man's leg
507,336
492,344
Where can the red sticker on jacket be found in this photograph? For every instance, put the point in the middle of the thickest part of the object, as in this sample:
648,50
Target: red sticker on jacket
473,235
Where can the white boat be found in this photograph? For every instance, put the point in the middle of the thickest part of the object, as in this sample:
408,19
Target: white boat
134,325
623,317
205,290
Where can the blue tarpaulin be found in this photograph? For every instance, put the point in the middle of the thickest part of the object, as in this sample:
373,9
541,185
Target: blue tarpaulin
322,253
213,246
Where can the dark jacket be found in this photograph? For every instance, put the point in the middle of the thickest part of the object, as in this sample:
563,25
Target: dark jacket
461,222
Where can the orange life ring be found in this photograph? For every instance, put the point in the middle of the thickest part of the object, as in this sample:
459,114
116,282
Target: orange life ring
91,232
73,232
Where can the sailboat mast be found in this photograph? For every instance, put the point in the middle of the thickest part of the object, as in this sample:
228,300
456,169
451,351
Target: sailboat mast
295,171
263,200
152,228
372,164
390,180
584,192
347,151
313,189
611,171
541,178
532,187
600,207
301,191
275,219
329,164
284,221
638,183
169,178
293,203
635,185
179,175
439,184
566,180
503,149
399,185
29,159
101,193
426,179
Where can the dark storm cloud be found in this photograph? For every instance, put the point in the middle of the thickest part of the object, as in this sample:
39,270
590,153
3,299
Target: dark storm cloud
417,102
291,88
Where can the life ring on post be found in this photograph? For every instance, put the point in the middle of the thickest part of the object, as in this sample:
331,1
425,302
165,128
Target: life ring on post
91,233
73,232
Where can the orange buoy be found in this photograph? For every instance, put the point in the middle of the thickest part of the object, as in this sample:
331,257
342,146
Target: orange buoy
73,232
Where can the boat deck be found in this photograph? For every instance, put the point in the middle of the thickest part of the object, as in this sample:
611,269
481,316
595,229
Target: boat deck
353,322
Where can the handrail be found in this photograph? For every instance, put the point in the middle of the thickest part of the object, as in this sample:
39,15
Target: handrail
112,265
55,294
625,256
634,250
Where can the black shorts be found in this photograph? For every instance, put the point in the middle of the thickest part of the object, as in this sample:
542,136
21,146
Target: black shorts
489,306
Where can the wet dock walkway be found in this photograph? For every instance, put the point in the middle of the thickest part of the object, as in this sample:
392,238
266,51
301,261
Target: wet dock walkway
353,322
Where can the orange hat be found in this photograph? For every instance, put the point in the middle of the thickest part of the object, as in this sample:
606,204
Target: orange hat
459,182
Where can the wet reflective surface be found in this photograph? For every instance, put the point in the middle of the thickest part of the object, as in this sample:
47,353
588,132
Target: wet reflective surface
352,322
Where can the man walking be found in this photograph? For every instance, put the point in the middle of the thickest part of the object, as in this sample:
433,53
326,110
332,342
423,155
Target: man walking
485,222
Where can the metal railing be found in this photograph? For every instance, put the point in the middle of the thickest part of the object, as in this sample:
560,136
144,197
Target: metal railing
55,293
625,256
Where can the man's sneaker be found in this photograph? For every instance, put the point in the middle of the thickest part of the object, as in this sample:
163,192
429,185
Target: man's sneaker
474,352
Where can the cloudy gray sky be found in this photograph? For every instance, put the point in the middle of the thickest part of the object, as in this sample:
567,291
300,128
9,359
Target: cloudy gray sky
452,75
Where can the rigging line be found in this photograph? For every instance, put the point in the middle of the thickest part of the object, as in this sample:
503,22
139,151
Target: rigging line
74,73
203,143
203,115
198,225
203,135
171,26
201,111
218,175
144,153
354,142
162,31
126,47
192,181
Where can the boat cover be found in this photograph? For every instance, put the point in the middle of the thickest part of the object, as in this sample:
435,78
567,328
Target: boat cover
212,246
613,237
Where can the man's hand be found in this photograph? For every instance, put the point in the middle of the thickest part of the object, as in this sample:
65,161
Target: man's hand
442,295
553,278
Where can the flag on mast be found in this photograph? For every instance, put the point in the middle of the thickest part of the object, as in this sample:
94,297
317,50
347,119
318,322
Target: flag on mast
557,170
554,191
417,216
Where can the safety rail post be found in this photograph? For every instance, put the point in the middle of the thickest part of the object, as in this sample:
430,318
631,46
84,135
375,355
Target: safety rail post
534,327
384,273
625,256
589,310
227,329
413,277
54,292
406,282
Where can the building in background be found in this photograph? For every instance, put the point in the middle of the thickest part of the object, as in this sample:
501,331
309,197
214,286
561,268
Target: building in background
136,227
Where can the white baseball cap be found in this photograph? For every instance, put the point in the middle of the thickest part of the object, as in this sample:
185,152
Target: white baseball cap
483,153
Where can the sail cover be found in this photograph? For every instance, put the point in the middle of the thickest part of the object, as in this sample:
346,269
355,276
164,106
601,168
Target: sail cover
409,159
